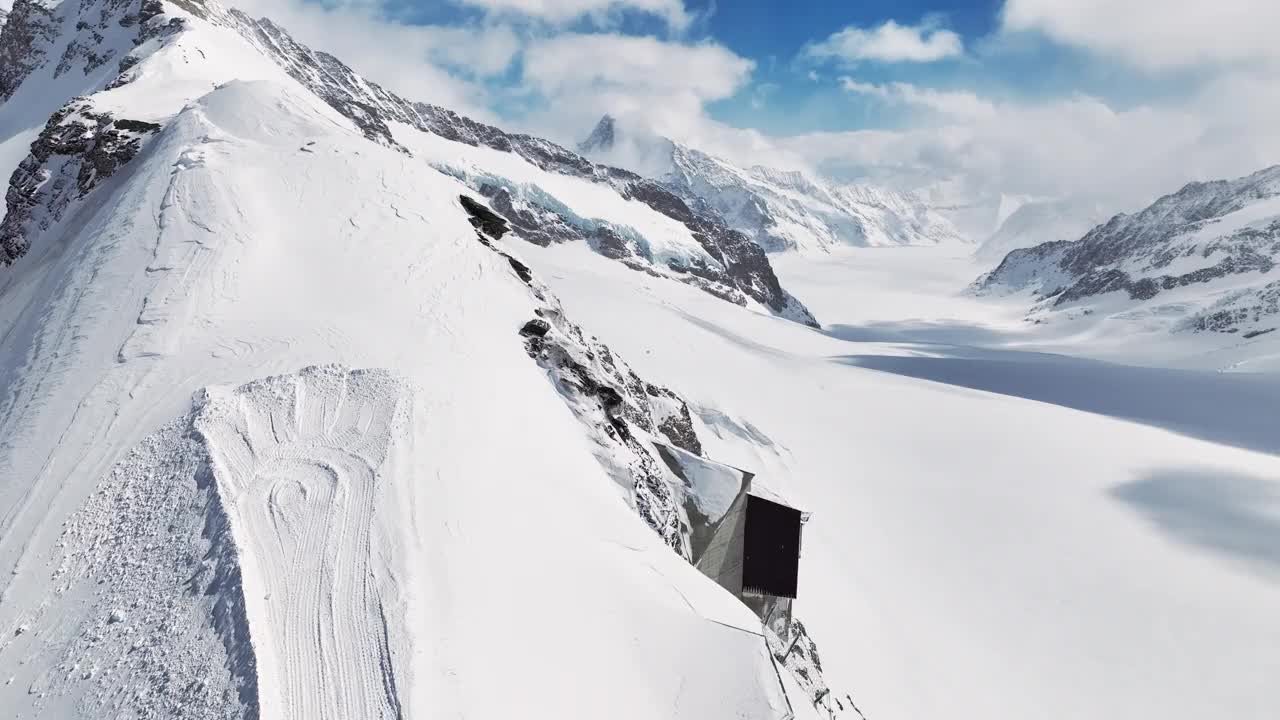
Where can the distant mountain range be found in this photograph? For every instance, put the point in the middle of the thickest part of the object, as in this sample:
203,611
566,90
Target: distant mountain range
778,209
1203,256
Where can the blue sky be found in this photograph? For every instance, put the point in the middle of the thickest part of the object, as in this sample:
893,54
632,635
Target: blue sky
1121,99
781,98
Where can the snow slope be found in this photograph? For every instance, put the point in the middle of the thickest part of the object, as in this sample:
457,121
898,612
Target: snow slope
779,210
996,533
114,46
271,443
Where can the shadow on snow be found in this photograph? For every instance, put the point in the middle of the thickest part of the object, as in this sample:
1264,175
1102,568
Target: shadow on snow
1230,514
1232,409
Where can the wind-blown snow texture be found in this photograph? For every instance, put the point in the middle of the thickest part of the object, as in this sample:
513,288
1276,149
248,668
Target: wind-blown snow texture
779,210
1202,257
205,512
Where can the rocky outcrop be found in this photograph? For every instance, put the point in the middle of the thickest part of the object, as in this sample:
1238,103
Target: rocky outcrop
78,149
28,31
1254,312
602,137
621,413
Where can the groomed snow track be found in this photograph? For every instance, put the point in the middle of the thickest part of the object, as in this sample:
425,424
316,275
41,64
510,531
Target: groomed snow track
300,461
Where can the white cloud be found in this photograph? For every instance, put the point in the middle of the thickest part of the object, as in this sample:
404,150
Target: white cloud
672,12
1156,34
443,65
657,84
889,42
946,102
1077,146
644,65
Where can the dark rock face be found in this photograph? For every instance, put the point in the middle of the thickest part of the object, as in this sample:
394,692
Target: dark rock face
24,40
31,35
79,147
746,265
601,138
77,150
534,224
484,219
676,426
1242,308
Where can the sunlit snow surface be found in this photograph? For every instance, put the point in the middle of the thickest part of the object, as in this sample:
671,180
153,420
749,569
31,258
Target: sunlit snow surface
440,493
997,532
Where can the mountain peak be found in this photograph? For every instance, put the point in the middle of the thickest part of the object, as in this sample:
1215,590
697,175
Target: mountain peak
602,137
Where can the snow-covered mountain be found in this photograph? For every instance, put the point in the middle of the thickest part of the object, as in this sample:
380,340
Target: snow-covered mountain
626,217
1201,259
779,210
269,364
1039,221
316,402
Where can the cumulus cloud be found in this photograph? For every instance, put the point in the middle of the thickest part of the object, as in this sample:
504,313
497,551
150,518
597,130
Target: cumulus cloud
1156,34
673,12
889,42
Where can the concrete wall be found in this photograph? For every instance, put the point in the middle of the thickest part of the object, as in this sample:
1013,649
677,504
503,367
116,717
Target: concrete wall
722,559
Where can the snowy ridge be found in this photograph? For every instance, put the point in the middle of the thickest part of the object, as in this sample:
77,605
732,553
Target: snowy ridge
1205,252
779,210
706,253
691,248
321,542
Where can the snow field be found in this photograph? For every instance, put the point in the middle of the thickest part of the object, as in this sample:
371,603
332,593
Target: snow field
995,532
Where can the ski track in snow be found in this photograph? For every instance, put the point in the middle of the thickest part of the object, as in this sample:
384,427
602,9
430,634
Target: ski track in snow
298,462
